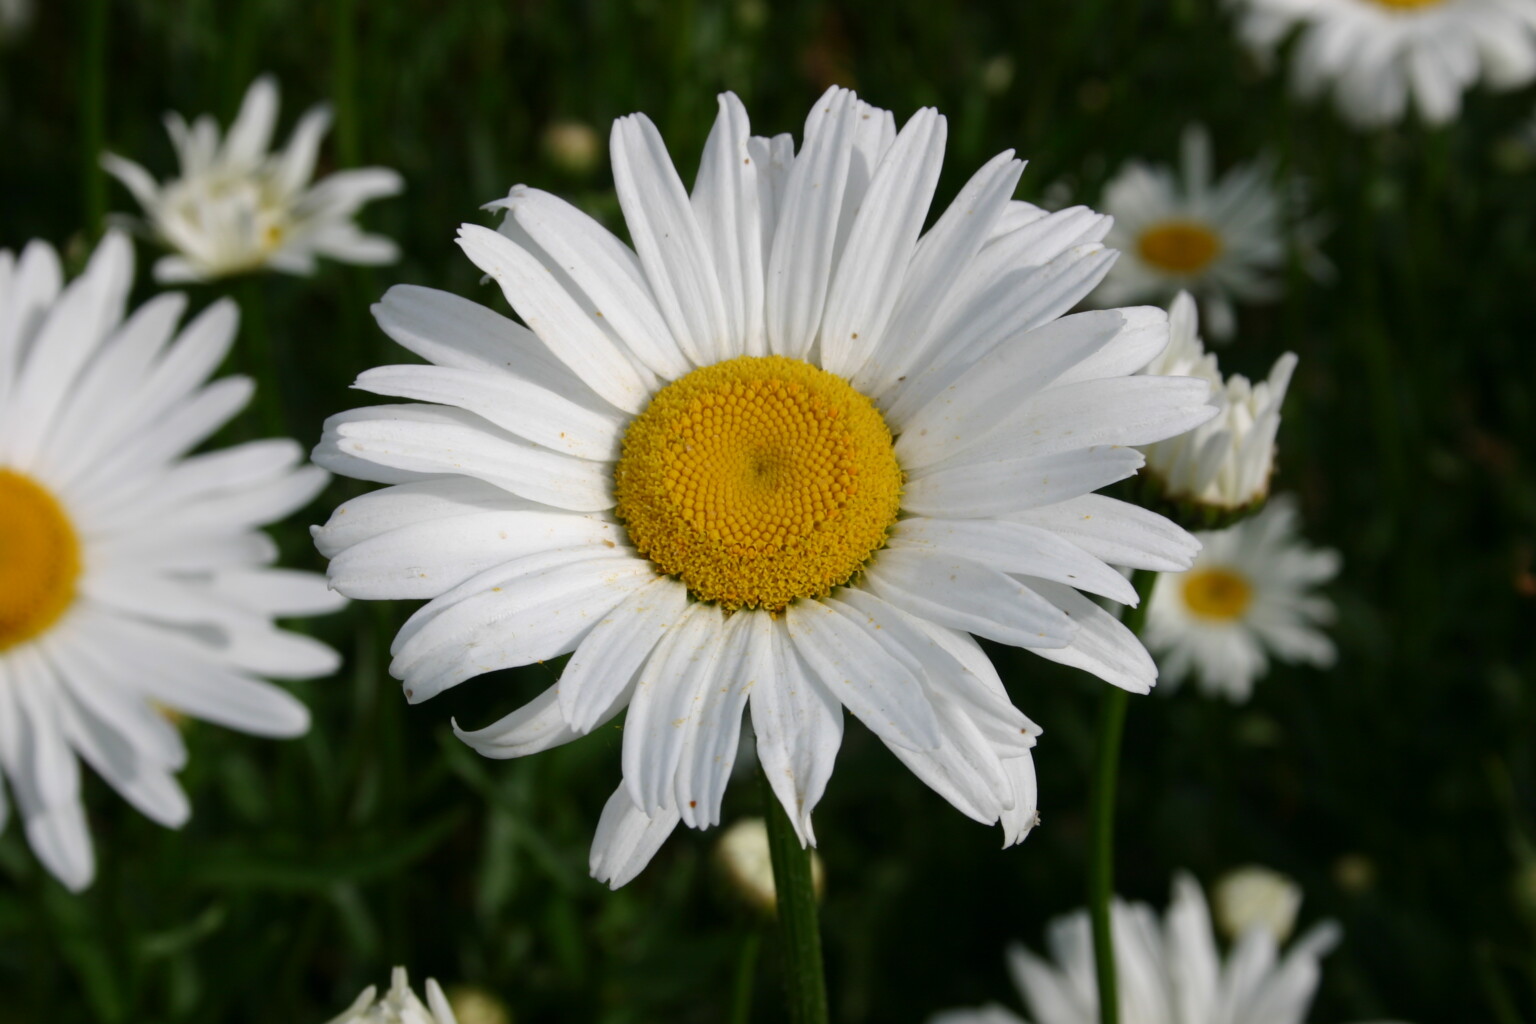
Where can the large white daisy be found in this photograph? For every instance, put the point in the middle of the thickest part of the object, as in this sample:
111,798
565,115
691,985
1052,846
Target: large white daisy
1376,54
132,575
787,453
1168,972
236,207
1179,230
1250,593
1226,463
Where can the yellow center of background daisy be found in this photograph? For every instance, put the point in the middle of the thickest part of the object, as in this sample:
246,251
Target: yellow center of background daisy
758,480
39,559
1179,246
1219,594
1409,3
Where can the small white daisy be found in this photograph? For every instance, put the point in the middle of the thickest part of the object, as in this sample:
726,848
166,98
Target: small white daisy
236,207
1177,229
399,1005
789,455
1375,54
1168,972
133,576
1226,463
1250,593
1255,896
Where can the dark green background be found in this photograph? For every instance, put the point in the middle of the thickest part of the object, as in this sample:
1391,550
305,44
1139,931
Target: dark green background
312,866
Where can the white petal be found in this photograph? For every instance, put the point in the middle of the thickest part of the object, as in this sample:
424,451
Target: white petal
1014,547
964,595
1117,532
726,199
250,135
855,668
627,839
677,259
605,664
1002,488
391,508
1102,644
533,728
799,725
713,730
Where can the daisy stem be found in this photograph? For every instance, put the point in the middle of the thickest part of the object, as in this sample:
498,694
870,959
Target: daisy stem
1101,862
746,970
805,987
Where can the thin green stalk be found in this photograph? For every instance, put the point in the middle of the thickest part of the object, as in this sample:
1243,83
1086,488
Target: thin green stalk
1101,863
746,971
257,356
805,986
93,102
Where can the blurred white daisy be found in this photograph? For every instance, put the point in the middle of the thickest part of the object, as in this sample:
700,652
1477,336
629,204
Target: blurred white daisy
1226,463
747,862
1255,896
399,1005
236,207
1250,593
1374,54
788,455
1168,972
132,575
1177,229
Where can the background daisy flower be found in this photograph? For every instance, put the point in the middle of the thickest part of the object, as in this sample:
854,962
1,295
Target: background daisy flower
1249,594
1226,463
1178,229
236,207
788,454
133,576
399,1005
1373,55
1169,971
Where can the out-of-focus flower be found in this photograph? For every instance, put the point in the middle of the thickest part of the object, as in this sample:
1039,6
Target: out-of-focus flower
132,576
1178,229
783,455
1256,897
236,207
15,16
744,855
997,74
1224,465
1354,873
1168,972
474,1005
1250,593
399,1005
572,146
1376,54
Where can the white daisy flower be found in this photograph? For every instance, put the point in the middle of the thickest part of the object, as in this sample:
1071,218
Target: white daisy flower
1255,896
132,575
399,1005
1226,463
236,207
1177,229
1250,593
788,455
1374,54
1168,972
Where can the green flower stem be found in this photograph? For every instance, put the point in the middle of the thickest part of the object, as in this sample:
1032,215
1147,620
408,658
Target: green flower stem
805,987
1101,864
746,971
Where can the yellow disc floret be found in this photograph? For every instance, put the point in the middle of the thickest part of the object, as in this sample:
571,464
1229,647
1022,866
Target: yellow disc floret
39,559
1408,4
1218,594
758,480
1179,246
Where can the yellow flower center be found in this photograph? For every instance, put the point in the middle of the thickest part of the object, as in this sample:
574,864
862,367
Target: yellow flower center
758,480
1409,4
39,559
1219,594
1179,246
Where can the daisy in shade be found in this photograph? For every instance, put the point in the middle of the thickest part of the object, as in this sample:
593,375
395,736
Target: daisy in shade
133,576
1225,465
236,207
1250,593
1177,229
399,1005
1376,55
1169,971
787,455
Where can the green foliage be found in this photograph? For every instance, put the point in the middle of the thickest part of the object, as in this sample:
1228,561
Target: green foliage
310,867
